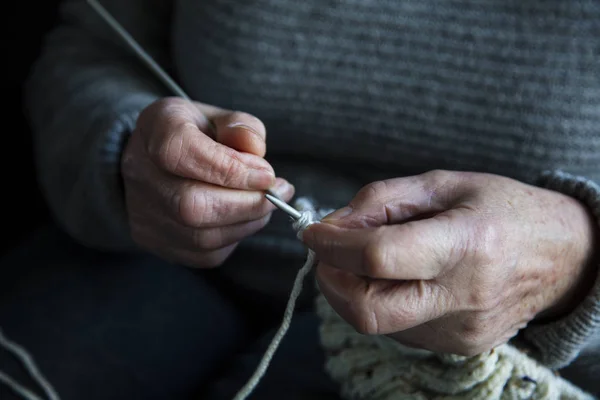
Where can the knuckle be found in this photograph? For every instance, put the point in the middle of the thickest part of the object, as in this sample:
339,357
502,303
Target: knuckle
158,123
192,206
169,108
436,179
484,244
372,191
232,172
225,168
437,175
148,114
374,260
169,153
165,103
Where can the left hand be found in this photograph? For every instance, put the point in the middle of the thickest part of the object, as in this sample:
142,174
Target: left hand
453,262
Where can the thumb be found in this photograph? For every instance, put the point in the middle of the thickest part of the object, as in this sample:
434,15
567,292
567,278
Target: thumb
418,250
242,132
402,200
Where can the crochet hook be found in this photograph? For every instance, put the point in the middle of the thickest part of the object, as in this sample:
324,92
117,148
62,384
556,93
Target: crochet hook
283,206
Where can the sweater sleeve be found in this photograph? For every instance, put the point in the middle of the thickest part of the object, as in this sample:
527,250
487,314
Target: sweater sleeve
558,343
82,99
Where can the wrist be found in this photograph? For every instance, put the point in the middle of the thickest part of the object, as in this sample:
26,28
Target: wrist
575,273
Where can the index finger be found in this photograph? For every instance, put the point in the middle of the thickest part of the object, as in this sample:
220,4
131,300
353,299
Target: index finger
176,143
415,250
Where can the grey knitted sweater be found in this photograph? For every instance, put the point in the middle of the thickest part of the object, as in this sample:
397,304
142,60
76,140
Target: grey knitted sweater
351,91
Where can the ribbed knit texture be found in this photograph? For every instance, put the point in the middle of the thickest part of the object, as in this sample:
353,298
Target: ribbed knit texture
350,91
509,87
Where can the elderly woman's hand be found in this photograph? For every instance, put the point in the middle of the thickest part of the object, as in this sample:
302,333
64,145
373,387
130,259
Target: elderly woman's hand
453,262
193,193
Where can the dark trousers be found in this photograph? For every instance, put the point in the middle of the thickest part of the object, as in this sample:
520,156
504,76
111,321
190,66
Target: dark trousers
102,326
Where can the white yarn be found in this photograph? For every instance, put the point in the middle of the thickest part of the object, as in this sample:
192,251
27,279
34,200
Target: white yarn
307,218
27,360
17,387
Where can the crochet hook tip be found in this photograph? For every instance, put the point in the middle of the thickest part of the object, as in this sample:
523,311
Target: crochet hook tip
283,206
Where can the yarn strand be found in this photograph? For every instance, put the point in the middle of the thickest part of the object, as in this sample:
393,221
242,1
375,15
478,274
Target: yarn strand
253,382
27,360
142,54
17,387
138,50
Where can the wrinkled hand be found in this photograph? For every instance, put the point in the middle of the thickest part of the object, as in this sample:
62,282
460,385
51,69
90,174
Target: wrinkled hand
193,194
453,262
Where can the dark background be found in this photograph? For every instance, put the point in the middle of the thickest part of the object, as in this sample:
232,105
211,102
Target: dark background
23,27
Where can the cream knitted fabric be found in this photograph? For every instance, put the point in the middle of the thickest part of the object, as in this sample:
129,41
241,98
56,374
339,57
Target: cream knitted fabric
379,368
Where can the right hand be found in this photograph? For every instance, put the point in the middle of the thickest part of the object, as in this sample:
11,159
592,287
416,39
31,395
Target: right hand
193,194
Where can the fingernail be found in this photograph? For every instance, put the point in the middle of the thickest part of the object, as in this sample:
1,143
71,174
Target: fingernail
282,188
260,179
339,214
240,125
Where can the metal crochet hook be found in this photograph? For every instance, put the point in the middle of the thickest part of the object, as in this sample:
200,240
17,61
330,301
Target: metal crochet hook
283,206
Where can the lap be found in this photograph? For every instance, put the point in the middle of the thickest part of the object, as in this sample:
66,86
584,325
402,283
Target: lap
103,326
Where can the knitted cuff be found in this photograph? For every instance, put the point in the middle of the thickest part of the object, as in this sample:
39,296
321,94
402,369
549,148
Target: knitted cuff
97,216
114,140
558,343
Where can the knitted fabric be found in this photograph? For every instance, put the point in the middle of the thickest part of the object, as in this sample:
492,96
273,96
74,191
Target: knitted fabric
379,368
